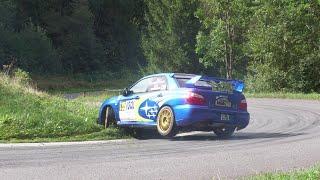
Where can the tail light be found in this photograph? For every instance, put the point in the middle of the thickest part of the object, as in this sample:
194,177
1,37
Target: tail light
243,105
195,99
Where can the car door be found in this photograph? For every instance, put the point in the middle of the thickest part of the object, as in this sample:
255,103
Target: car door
140,106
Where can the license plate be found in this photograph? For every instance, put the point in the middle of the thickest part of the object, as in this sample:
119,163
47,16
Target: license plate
225,117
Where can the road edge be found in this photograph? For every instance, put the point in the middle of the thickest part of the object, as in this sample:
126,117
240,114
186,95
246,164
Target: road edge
51,144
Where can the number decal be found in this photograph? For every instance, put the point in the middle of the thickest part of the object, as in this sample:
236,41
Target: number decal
126,111
130,105
127,105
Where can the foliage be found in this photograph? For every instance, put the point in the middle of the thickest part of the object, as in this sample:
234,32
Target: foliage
284,95
221,38
273,45
31,47
284,46
117,24
266,79
81,50
83,40
22,77
169,37
7,12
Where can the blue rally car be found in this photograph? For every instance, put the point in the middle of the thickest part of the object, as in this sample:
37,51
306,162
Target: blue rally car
171,102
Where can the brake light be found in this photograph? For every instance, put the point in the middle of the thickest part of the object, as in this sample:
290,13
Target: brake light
243,105
195,99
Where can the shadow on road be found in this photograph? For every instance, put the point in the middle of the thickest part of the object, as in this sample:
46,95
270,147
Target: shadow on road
206,136
237,136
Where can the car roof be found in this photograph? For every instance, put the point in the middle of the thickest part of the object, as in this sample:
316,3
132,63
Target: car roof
176,75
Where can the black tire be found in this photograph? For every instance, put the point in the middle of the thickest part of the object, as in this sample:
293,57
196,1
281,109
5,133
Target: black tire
166,124
224,132
109,118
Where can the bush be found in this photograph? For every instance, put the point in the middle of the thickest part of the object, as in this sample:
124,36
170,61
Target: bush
22,77
31,48
30,45
262,78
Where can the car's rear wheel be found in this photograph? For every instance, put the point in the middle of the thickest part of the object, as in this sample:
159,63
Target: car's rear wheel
109,117
224,132
166,125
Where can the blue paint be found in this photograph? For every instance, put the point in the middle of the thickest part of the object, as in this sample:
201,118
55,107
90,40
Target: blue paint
186,115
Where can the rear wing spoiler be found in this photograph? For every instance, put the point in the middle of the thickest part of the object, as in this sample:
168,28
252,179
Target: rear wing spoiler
218,84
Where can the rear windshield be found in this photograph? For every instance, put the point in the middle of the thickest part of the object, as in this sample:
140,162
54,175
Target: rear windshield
182,83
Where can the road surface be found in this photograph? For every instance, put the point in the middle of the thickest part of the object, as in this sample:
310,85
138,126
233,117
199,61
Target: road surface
282,135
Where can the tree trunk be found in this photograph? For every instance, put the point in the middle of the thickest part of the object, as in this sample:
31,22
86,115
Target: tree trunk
229,43
228,47
226,58
231,54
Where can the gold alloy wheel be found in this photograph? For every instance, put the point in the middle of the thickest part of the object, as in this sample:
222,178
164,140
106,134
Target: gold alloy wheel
165,120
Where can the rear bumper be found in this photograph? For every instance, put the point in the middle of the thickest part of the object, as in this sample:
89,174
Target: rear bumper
189,115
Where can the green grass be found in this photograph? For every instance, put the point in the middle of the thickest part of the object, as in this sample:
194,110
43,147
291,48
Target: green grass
80,83
104,134
95,100
308,174
311,96
33,116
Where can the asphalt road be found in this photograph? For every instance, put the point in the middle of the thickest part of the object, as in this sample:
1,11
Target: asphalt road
282,135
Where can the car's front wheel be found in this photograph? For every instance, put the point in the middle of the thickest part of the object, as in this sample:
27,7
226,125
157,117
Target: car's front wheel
224,132
109,117
166,125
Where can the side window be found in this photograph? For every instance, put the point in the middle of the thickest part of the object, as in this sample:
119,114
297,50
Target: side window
141,86
158,83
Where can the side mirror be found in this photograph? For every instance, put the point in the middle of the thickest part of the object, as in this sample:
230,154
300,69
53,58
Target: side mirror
126,92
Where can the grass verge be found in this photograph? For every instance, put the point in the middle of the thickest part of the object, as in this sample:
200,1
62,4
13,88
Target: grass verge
104,134
27,115
311,96
60,84
308,174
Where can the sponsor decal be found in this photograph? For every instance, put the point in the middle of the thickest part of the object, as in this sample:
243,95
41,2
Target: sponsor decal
157,84
222,101
149,109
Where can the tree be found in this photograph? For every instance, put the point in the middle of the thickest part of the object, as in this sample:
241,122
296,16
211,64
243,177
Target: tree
38,11
116,25
30,46
68,23
80,50
169,36
222,37
284,46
